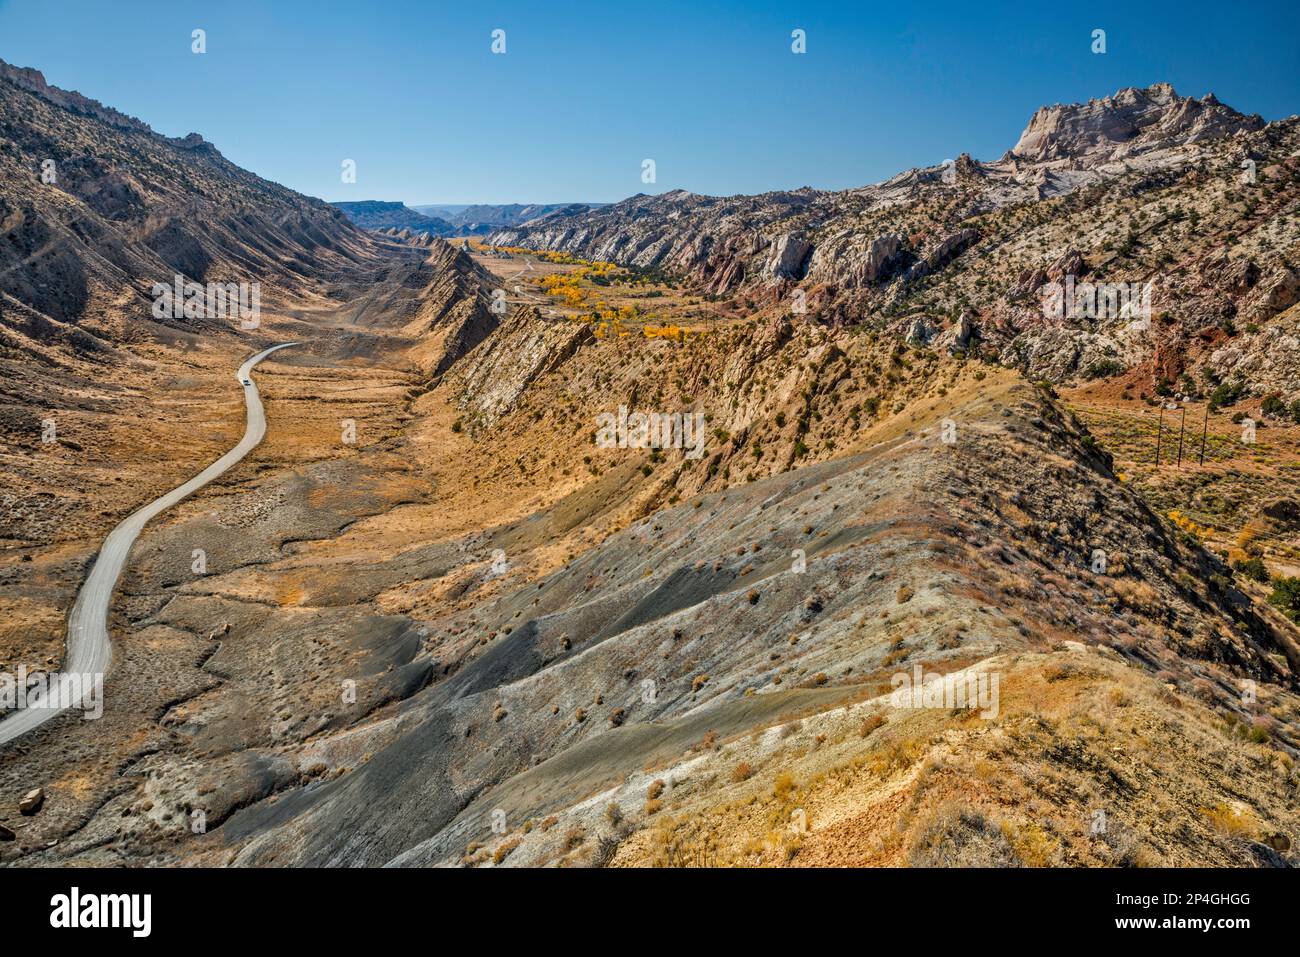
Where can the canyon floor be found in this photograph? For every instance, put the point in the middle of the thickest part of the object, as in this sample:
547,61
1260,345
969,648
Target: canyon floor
437,625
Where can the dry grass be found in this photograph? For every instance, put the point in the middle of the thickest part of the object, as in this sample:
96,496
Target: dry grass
504,848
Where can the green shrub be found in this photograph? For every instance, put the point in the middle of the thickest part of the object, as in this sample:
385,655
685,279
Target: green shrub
1253,567
1227,393
1286,596
1103,369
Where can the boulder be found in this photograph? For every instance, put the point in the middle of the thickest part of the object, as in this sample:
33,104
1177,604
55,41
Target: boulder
850,259
32,801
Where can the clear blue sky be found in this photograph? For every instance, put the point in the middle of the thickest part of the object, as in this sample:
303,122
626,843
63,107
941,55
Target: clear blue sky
585,92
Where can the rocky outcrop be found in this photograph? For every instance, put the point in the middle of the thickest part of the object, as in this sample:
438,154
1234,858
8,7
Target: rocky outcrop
851,259
1234,275
521,349
33,81
943,252
789,254
919,331
959,336
1029,282
1130,123
1278,291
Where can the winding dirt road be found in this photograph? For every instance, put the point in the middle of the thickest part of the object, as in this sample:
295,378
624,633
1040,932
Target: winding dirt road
89,650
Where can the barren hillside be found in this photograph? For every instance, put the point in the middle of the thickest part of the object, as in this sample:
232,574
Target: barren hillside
442,618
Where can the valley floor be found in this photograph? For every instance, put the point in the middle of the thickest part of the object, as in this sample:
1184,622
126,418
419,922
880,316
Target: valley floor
436,625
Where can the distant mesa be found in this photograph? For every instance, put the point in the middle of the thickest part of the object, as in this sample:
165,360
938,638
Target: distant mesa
456,219
482,218
375,214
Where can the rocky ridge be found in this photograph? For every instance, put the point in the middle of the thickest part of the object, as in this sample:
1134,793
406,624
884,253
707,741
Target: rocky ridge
1143,187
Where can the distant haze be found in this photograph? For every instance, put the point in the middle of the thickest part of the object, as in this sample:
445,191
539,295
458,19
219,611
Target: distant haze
439,209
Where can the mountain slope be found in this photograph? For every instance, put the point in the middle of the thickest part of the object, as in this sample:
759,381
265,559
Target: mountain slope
1143,187
502,707
441,622
918,553
126,208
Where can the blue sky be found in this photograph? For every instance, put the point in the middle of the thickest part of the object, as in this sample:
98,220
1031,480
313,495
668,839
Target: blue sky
711,92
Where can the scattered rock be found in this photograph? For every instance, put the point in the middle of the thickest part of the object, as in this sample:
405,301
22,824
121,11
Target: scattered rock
31,801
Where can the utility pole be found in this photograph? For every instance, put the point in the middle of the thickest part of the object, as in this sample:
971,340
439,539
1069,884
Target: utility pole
1181,423
1205,428
1160,431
